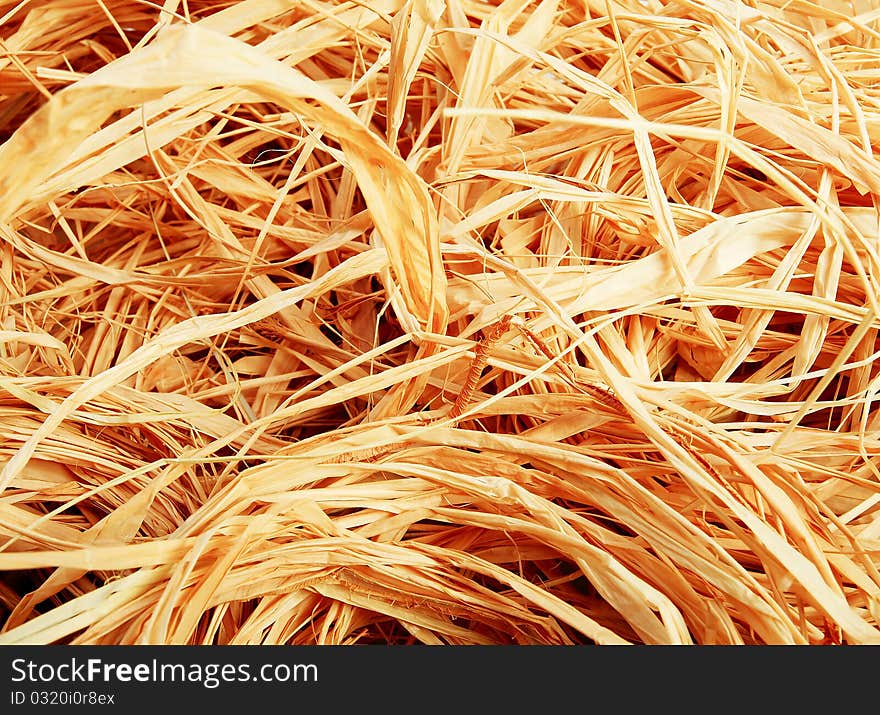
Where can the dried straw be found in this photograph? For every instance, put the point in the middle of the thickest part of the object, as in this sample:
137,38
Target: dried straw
439,322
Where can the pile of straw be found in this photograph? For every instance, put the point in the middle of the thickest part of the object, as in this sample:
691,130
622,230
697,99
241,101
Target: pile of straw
439,321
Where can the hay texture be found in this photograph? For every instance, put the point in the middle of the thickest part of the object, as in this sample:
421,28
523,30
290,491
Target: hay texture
441,322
